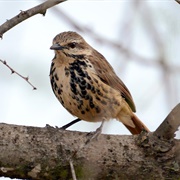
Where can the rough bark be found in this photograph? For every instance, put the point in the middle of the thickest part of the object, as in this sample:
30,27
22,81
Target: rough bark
45,153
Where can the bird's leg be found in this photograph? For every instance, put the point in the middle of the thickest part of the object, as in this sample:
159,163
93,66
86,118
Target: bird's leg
96,133
70,124
99,129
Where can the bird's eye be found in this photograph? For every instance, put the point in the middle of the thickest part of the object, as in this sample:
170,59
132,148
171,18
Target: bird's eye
72,45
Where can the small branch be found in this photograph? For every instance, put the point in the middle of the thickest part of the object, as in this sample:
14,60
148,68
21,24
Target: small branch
178,1
23,15
13,71
170,125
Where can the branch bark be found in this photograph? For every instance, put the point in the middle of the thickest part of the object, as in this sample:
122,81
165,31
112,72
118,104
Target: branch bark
46,153
23,15
170,125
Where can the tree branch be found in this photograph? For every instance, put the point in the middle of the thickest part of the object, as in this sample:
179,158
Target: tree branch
23,77
23,15
48,153
170,125
162,140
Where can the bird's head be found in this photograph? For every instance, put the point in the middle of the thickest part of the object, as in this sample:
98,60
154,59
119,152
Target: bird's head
71,44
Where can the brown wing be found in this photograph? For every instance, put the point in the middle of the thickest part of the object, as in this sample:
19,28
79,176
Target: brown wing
108,76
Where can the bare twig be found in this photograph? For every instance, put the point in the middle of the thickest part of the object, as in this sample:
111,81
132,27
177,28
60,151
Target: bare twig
170,125
23,15
13,71
72,170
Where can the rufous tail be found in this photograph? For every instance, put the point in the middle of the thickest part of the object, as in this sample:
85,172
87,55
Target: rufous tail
139,126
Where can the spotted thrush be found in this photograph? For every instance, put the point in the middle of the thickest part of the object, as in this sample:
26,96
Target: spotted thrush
87,86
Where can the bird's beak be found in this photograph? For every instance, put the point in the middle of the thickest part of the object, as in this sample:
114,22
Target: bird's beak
57,47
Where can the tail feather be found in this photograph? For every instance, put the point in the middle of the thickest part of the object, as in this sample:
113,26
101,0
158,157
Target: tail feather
139,126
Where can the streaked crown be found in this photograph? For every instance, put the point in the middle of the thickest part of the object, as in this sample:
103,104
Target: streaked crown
71,43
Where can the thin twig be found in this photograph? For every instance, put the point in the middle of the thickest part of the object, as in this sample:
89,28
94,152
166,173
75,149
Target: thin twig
23,15
72,170
13,71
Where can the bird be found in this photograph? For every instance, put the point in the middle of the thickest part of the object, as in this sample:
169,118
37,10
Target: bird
87,86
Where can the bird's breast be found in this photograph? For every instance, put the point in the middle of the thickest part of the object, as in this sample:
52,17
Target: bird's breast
82,93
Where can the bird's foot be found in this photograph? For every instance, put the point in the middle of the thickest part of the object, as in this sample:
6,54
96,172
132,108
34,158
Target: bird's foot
94,134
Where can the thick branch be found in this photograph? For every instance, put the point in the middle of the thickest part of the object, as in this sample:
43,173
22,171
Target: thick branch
45,153
23,15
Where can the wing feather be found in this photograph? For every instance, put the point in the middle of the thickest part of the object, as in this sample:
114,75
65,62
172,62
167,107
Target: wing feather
109,77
